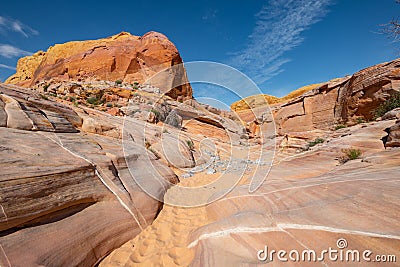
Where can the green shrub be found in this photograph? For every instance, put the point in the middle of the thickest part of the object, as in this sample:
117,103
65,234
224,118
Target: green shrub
71,98
360,120
190,144
44,97
340,126
349,154
109,105
93,100
45,87
391,103
156,113
147,144
133,112
118,82
316,142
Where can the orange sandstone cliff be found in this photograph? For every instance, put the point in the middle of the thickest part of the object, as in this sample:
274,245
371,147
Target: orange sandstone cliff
124,57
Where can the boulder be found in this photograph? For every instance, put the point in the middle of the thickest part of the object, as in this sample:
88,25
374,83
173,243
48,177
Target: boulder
391,115
393,137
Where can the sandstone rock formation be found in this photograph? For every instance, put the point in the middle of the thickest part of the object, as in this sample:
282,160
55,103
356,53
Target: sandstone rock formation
308,202
259,100
340,101
67,171
121,57
393,137
309,206
67,197
77,178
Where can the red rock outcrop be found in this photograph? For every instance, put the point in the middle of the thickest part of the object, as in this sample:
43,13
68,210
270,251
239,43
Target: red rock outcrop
121,57
340,101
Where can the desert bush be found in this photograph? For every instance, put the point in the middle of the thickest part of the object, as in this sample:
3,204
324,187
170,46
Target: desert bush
133,112
190,144
118,82
340,126
156,113
71,98
360,120
93,100
147,144
44,97
349,154
316,142
391,103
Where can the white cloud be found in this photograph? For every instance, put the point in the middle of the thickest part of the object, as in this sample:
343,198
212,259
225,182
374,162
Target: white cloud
10,51
9,24
278,30
7,67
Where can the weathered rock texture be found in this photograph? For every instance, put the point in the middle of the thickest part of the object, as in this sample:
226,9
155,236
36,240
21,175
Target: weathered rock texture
307,202
120,57
340,101
20,110
67,198
393,137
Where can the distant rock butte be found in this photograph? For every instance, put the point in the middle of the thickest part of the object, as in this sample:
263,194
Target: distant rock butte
257,100
347,101
122,57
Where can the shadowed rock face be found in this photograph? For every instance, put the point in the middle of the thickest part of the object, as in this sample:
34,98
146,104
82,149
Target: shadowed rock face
120,57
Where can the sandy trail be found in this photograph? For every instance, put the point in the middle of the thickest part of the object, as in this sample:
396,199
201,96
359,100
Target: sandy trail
165,242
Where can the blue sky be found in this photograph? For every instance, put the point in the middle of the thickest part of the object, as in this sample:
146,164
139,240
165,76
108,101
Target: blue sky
280,44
